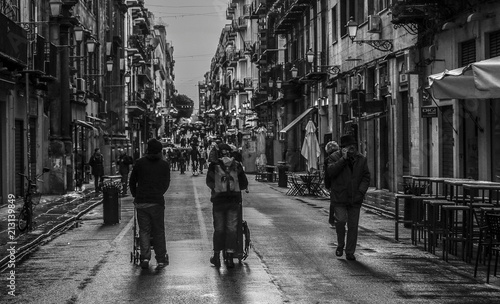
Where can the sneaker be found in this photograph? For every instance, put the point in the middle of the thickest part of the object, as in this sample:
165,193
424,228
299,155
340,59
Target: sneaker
145,264
161,265
350,257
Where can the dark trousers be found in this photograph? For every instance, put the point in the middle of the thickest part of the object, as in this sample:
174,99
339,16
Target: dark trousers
124,182
98,179
225,226
152,222
347,215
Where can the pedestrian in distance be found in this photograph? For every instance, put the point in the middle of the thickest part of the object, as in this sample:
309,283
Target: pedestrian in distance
182,160
226,179
124,161
149,180
350,179
195,155
137,154
330,148
96,162
203,158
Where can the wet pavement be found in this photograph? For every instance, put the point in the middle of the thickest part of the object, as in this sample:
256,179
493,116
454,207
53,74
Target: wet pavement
292,259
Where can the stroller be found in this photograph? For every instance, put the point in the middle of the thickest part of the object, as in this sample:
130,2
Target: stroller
135,254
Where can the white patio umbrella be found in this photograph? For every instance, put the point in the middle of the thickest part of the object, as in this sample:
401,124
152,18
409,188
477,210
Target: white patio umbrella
310,147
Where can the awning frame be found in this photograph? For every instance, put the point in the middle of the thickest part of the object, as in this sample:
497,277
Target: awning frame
296,120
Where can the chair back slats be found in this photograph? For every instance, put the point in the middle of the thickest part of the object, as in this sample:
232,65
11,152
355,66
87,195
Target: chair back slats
493,223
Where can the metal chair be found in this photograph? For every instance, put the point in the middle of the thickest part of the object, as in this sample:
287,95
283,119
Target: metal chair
490,242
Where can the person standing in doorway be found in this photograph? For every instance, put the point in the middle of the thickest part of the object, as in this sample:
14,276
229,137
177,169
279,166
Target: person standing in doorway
96,162
350,179
149,180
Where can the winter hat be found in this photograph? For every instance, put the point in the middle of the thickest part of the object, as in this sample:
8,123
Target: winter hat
331,146
223,146
347,140
154,146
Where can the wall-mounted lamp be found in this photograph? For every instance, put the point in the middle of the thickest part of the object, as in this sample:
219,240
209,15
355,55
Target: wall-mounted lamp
384,45
55,7
109,65
294,71
310,56
127,77
91,44
78,30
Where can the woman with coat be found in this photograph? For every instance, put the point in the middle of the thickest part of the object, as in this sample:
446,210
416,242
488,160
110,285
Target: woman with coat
349,180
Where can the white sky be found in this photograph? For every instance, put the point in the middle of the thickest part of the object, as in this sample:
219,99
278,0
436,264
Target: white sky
194,27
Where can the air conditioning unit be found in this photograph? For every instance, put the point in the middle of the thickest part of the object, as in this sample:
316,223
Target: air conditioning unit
374,24
80,85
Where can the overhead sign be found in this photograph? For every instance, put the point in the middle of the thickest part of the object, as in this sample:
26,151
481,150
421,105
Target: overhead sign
428,112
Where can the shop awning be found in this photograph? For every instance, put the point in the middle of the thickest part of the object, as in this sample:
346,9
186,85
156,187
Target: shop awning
477,80
85,124
296,120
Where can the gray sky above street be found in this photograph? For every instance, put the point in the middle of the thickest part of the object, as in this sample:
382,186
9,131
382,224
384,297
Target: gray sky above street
194,27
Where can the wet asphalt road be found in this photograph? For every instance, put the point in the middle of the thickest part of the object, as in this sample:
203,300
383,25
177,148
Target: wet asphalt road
292,260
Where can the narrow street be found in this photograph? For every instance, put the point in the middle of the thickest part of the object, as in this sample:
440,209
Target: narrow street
292,259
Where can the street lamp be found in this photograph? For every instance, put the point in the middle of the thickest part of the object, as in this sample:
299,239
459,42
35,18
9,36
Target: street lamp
109,65
55,7
310,56
91,44
294,71
78,33
278,83
384,45
127,77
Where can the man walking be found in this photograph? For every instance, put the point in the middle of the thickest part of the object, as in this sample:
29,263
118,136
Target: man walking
149,180
350,178
96,162
226,179
124,161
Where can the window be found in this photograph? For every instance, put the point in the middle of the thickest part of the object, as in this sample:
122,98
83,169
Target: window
351,8
494,48
467,52
334,21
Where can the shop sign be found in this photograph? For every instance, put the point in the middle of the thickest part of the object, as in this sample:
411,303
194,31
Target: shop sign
428,112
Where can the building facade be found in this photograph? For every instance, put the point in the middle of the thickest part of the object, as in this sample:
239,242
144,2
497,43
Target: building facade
64,90
371,82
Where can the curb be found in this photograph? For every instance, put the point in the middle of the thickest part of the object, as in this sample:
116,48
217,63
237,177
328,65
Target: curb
24,250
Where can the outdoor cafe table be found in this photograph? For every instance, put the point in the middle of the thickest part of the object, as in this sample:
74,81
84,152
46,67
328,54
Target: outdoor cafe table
452,187
308,180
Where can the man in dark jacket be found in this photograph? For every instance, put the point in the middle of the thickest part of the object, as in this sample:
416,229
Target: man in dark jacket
96,162
350,178
226,179
149,180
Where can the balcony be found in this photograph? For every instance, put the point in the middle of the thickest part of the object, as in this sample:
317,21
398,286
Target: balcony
424,15
289,14
258,7
15,53
136,106
242,23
